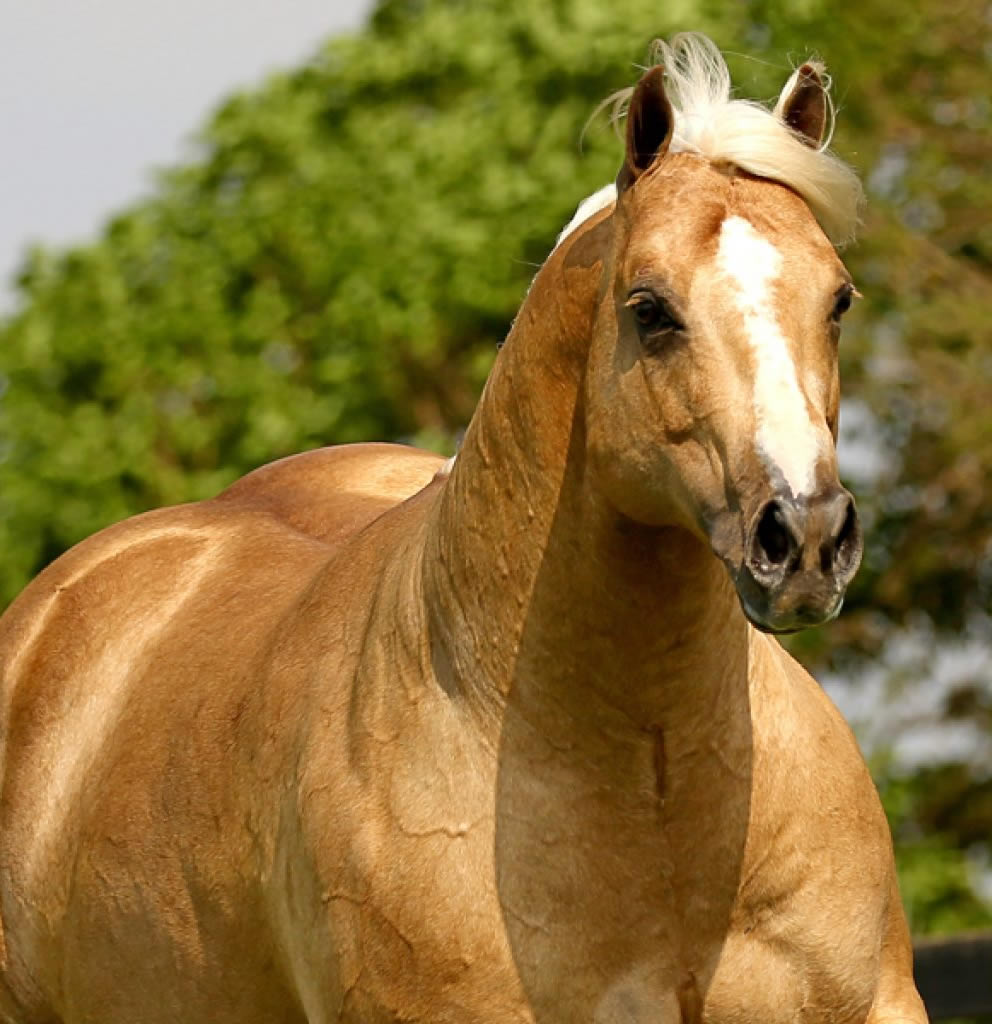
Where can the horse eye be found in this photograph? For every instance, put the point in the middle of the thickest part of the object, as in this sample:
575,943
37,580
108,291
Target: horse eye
652,314
843,302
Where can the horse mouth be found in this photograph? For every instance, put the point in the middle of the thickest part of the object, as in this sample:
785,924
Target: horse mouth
802,617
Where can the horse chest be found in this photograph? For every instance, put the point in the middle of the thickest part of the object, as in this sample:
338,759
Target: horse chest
541,950
570,900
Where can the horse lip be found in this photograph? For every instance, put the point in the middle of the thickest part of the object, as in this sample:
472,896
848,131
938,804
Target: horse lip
791,623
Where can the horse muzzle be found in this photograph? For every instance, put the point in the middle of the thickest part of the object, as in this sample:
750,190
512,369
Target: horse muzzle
800,555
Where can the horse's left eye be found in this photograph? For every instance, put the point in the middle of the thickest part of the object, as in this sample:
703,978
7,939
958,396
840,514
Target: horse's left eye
843,302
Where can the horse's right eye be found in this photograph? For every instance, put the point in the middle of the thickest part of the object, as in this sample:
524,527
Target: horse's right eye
652,314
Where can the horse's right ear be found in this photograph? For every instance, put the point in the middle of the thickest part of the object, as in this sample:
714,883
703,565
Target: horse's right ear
650,123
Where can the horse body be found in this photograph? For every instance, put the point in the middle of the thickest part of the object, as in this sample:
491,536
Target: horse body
201,832
362,741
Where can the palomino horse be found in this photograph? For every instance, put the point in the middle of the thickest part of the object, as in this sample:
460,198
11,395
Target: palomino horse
368,740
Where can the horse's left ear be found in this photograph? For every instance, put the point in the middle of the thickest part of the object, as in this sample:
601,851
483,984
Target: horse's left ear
650,124
803,104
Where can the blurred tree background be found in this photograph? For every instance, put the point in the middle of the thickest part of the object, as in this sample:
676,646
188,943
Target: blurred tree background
354,238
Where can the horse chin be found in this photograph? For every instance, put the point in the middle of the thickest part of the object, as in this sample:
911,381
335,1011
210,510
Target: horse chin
791,621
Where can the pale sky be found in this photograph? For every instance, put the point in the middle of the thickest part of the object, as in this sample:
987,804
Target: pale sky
96,93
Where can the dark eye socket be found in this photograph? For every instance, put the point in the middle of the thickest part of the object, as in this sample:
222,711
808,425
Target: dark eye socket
652,314
842,303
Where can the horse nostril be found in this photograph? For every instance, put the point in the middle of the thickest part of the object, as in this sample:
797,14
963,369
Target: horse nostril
843,543
774,538
801,554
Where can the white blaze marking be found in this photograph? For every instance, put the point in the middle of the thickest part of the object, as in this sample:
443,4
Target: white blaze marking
786,437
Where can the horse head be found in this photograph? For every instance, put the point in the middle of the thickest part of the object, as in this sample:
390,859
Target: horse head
712,384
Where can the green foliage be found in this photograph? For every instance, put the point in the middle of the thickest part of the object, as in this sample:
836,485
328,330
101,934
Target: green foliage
338,265
936,882
354,238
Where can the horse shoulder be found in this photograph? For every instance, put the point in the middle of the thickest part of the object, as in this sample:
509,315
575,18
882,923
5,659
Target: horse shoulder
806,756
819,854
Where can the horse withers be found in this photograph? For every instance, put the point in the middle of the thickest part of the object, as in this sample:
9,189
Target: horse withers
369,738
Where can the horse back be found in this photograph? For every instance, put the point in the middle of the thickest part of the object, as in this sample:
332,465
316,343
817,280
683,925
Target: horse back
291,513
330,493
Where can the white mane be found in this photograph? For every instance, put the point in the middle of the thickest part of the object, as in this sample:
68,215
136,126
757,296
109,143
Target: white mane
743,133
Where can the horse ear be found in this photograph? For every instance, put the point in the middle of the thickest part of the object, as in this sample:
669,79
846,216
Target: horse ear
650,123
803,104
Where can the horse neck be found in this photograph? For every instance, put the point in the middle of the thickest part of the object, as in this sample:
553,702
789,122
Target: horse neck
539,595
